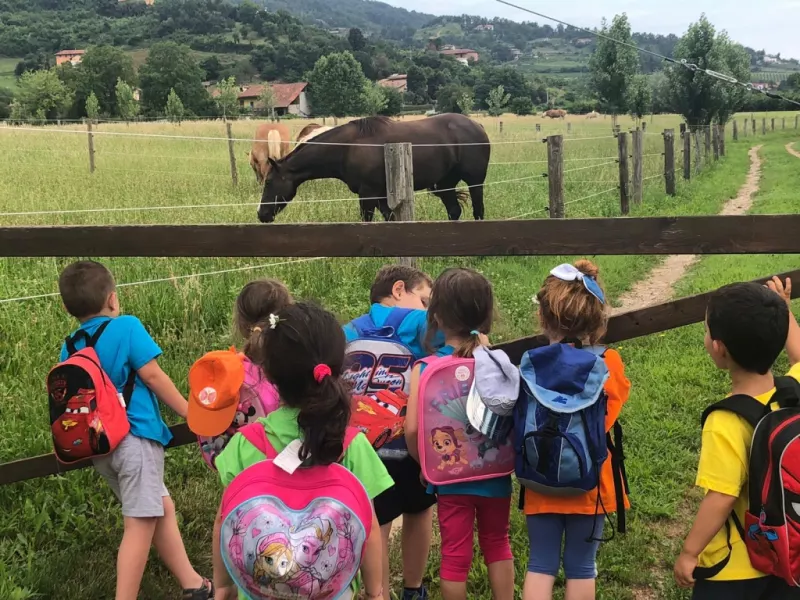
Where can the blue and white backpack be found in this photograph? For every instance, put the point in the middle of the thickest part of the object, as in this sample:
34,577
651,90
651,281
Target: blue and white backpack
378,366
560,418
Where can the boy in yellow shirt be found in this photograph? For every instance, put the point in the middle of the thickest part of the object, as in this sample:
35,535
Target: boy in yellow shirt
747,326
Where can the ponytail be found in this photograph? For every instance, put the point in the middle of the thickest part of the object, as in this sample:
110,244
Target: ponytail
323,419
470,344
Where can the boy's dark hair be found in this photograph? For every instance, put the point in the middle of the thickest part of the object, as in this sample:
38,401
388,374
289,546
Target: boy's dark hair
306,336
753,323
84,287
391,274
254,304
462,301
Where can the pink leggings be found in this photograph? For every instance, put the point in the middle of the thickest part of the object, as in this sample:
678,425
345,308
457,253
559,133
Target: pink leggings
457,516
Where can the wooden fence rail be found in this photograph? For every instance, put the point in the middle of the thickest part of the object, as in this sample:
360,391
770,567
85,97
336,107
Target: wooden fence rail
625,326
751,234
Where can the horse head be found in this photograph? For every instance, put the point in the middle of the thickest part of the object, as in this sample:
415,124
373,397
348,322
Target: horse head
280,188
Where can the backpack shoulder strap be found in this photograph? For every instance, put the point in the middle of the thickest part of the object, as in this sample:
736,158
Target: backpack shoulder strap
396,318
81,334
787,392
362,324
747,407
257,435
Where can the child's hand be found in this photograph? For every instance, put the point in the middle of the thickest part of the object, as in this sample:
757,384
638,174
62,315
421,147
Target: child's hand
784,290
684,570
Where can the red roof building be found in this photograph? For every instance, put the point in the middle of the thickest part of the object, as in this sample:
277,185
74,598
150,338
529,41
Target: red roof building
70,56
289,98
463,55
396,81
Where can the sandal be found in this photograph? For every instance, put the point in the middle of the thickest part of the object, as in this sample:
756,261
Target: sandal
206,592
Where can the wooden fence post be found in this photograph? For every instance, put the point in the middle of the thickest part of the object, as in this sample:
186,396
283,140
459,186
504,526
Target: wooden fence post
735,131
783,126
624,197
91,144
569,127
555,175
400,185
698,161
538,128
669,161
773,123
764,126
644,125
755,131
501,128
232,154
687,155
324,121
715,140
637,137
796,121
721,139
707,144
746,122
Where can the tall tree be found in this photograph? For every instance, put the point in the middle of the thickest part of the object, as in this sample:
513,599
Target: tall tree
613,66
6,98
638,97
92,106
41,95
375,101
174,108
127,107
172,66
337,85
356,39
266,100
98,73
228,98
498,101
702,99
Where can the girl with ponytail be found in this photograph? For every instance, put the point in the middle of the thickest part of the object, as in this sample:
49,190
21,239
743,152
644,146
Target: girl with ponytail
301,352
462,308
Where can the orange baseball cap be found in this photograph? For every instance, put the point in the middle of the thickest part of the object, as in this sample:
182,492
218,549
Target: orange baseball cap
214,384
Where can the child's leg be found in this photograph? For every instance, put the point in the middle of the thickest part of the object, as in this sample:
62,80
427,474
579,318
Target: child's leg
545,533
168,542
386,535
493,516
580,564
456,525
417,532
132,556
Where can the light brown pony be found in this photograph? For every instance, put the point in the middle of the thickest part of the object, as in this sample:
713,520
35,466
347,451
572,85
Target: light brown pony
555,113
272,141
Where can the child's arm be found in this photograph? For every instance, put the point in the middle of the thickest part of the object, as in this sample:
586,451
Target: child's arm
412,415
715,509
784,290
222,579
161,385
372,565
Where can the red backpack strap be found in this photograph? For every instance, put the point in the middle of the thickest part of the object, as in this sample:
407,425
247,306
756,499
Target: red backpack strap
257,435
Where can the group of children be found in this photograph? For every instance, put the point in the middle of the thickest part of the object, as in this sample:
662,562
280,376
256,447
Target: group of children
298,351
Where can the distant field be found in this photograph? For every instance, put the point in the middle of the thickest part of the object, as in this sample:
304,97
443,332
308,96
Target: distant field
7,78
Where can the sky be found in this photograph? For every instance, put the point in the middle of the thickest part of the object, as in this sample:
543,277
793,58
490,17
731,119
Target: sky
771,25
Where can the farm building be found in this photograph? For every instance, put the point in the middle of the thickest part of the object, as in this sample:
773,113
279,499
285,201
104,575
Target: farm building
290,98
462,55
485,27
69,56
396,81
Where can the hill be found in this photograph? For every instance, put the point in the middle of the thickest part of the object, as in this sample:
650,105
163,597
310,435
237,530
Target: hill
370,16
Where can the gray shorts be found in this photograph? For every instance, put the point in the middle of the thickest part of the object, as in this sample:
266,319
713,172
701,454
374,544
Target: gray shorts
135,473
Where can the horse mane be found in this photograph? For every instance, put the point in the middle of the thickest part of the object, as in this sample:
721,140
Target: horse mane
371,125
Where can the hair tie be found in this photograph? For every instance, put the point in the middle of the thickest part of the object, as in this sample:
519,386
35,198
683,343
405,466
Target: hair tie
321,371
566,272
474,332
273,321
256,330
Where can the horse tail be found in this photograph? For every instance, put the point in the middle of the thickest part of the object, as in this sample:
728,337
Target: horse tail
463,196
274,144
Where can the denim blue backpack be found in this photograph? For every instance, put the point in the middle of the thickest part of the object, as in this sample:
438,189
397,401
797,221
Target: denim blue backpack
560,419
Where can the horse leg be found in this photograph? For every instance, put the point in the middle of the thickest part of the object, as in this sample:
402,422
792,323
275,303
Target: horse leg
476,194
367,208
450,200
388,213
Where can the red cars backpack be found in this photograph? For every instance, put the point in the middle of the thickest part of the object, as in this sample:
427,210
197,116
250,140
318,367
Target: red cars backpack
87,414
771,530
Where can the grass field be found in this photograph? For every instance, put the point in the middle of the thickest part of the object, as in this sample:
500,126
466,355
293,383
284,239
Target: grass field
58,529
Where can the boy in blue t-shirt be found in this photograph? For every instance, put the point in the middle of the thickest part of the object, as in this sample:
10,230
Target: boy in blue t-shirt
135,470
397,286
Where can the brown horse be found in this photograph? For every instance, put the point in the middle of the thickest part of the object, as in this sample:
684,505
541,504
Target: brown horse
448,149
272,142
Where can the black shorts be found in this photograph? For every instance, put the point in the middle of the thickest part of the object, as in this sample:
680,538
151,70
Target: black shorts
407,496
764,588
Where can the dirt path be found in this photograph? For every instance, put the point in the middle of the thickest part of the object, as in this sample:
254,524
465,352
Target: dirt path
657,287
790,149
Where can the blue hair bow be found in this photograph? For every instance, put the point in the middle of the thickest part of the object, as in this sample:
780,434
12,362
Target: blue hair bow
567,272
